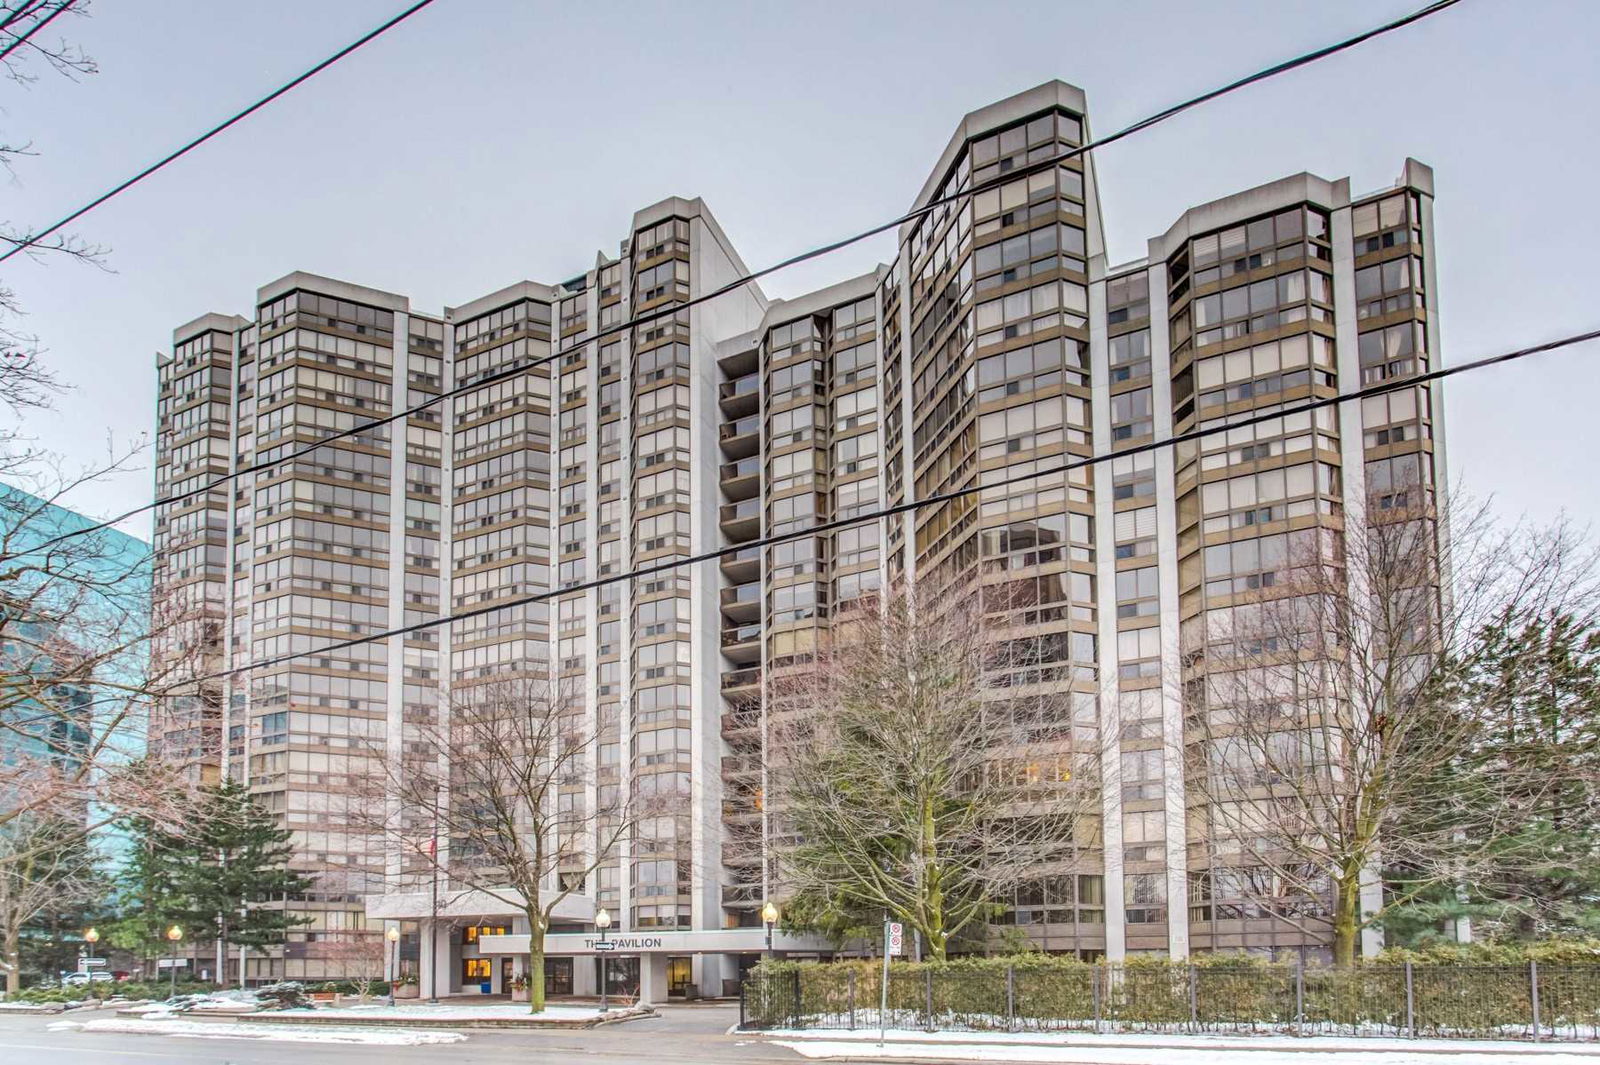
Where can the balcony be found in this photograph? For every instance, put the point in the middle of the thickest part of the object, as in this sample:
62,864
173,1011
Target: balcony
741,396
742,858
742,602
741,725
742,479
741,521
741,679
742,896
740,769
743,566
742,643
740,438
739,363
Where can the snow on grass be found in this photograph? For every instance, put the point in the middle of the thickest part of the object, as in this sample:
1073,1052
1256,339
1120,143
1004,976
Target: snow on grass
496,1011
1081,1052
409,1037
1210,1041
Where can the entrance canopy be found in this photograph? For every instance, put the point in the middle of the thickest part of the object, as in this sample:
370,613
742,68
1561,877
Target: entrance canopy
710,941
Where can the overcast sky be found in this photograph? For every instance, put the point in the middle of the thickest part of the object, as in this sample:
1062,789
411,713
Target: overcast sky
483,143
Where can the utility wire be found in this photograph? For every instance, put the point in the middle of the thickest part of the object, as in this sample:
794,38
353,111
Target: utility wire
23,10
650,316
22,244
21,39
1379,389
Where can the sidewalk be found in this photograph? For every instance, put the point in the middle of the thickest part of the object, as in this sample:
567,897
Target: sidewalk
454,1014
1082,1048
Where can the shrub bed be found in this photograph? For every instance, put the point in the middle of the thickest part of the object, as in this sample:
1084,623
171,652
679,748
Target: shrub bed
1484,992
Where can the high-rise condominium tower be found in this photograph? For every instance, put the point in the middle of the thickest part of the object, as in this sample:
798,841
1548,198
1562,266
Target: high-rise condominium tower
998,341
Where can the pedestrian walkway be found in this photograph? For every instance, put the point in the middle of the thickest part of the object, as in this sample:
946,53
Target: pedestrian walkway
1160,1049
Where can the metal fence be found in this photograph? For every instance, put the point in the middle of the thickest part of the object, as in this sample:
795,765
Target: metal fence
1529,1001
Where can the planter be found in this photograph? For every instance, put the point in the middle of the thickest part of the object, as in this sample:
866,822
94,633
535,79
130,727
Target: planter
519,995
407,991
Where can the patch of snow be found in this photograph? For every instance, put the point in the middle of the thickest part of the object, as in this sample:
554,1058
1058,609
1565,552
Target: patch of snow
1082,1053
488,1011
63,1026
212,1005
276,1033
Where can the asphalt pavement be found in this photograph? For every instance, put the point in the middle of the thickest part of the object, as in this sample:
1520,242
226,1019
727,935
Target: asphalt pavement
682,1035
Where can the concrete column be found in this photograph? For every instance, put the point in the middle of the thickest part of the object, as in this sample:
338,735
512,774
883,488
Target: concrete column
435,979
585,977
1174,786
709,972
652,979
1106,613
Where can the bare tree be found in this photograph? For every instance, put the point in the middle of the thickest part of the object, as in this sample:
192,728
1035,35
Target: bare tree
78,617
45,861
509,777
929,769
31,43
1330,738
361,957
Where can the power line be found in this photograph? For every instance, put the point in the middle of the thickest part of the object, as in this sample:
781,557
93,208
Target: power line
650,316
21,39
24,9
22,244
1379,389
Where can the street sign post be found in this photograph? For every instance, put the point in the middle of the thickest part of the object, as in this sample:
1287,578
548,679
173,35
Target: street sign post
894,942
605,945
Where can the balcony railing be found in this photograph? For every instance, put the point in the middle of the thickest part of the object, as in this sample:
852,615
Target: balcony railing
742,510
742,427
740,634
744,386
741,678
748,467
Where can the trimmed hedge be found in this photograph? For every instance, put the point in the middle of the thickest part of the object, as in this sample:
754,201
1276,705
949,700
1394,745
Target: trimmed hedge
1208,992
103,989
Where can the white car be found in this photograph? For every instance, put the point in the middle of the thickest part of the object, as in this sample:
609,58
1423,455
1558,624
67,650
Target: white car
78,979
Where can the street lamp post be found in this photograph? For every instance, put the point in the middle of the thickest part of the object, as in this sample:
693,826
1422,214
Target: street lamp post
174,936
91,937
393,936
769,917
602,921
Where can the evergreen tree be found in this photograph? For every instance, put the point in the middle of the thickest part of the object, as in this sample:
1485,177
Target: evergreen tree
1533,687
242,861
144,899
215,880
1539,687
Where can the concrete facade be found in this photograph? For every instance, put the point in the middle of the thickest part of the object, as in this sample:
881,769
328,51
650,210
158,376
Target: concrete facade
998,338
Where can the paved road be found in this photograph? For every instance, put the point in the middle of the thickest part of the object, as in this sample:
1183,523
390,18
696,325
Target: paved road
685,1035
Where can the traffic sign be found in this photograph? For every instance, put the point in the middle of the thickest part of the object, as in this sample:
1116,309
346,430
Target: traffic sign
897,939
605,945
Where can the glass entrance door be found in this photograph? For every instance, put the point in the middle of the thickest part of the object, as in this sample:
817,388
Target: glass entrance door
680,973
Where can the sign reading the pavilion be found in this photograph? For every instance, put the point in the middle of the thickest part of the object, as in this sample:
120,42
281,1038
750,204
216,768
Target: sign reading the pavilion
625,943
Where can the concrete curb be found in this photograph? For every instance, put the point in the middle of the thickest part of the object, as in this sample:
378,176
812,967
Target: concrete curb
1234,1045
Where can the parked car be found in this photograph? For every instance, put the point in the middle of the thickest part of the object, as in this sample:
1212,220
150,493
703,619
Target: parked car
78,979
